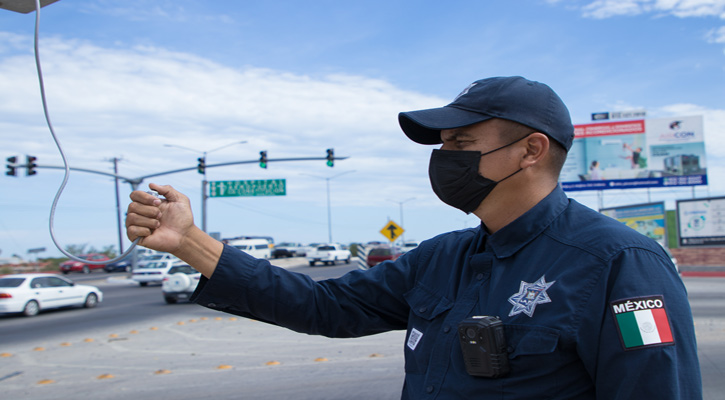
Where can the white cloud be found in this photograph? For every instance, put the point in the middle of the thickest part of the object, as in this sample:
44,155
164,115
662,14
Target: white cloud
601,9
716,35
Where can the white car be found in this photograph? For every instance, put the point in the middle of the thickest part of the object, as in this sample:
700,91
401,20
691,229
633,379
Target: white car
152,271
31,293
329,254
179,283
149,258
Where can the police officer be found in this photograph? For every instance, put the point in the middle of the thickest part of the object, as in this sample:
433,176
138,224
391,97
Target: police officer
589,308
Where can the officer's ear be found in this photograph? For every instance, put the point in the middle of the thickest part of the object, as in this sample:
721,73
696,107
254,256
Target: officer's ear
536,147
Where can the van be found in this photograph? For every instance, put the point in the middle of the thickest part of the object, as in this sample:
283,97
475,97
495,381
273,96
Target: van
258,248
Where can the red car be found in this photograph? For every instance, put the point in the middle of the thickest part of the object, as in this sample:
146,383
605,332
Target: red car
77,266
379,254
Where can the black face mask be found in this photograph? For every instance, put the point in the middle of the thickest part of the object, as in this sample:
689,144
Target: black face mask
455,179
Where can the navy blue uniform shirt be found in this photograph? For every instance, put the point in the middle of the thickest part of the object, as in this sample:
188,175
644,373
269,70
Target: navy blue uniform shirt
591,308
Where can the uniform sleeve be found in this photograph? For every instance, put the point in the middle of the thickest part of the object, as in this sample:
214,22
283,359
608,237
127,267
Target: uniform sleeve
637,336
357,304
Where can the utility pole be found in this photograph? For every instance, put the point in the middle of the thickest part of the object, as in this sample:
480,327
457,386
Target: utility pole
118,205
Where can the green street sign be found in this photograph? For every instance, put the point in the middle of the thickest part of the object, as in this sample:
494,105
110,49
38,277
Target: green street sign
259,187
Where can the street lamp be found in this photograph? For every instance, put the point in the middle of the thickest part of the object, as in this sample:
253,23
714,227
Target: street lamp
402,223
204,182
329,214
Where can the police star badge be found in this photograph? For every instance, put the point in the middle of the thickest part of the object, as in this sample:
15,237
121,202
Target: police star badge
529,295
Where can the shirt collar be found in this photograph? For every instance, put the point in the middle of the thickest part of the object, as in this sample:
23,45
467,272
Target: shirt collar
512,237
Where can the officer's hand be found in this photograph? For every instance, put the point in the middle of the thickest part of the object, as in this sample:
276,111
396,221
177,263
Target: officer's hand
161,224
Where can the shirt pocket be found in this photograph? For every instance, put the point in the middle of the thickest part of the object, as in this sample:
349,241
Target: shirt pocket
427,312
534,351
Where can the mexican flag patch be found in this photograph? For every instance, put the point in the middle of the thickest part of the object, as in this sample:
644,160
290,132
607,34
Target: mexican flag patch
642,321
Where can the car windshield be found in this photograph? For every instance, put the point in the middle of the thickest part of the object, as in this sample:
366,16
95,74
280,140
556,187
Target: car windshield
323,248
11,282
184,269
153,265
380,252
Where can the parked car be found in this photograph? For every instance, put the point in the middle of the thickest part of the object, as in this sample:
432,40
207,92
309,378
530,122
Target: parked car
31,293
329,254
289,249
378,254
179,283
153,271
78,266
259,248
408,246
122,265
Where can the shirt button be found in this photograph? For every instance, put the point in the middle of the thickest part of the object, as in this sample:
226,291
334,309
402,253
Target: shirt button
423,309
479,276
429,389
211,305
446,329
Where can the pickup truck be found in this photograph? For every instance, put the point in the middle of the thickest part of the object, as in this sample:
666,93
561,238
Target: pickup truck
329,254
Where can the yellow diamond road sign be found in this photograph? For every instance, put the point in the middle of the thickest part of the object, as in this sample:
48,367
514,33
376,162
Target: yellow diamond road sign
392,231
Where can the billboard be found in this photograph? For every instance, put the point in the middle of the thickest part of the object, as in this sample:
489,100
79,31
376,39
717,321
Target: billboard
647,219
643,153
701,222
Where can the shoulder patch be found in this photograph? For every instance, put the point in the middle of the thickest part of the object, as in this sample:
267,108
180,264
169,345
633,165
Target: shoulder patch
642,322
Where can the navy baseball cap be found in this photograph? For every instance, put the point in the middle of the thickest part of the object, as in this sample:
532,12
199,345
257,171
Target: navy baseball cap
514,98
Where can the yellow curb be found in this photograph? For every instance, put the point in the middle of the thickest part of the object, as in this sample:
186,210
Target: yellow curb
272,363
133,332
375,355
105,376
66,344
218,318
162,372
39,349
192,320
224,366
45,381
153,328
88,340
180,323
233,318
203,318
113,335
321,359
5,355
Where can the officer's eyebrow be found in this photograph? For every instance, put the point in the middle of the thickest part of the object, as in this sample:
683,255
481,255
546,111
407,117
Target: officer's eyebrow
457,134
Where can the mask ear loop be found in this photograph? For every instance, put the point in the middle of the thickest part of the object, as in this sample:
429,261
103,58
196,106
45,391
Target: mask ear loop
504,146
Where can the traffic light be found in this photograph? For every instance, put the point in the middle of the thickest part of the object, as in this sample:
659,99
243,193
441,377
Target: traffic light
330,157
30,165
201,168
263,159
12,169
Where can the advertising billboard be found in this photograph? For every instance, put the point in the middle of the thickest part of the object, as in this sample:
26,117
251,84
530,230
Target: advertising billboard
701,222
647,219
644,153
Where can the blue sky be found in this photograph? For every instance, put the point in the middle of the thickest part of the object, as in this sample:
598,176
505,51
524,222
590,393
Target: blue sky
124,79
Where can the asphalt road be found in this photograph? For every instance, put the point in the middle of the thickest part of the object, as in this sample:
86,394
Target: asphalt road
134,345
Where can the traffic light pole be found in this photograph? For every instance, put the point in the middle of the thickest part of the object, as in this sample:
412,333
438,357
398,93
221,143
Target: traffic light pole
136,182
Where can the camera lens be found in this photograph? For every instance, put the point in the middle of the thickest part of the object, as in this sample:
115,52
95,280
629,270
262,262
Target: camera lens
471,333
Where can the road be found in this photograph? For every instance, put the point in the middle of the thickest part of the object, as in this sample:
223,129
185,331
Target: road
134,345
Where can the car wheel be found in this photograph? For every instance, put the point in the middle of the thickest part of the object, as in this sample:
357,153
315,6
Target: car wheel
143,283
170,300
91,300
86,270
312,263
65,272
31,308
347,260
